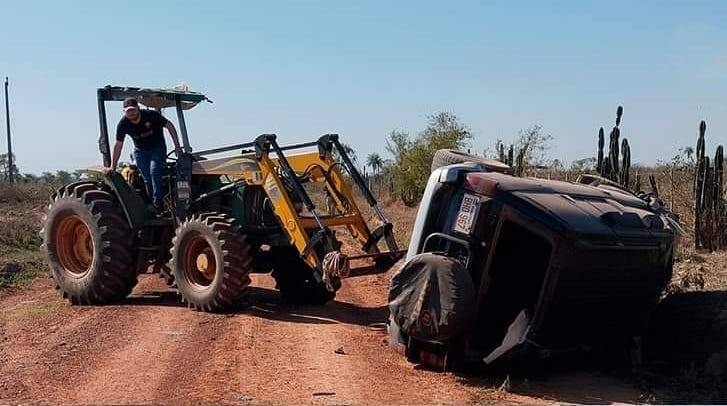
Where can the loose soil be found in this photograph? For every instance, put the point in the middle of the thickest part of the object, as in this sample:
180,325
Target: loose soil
151,350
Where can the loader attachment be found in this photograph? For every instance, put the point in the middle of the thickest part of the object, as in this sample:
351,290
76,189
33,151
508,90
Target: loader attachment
309,223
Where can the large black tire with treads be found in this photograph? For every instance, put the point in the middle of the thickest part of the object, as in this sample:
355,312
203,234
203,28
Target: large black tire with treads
88,245
444,157
295,280
210,262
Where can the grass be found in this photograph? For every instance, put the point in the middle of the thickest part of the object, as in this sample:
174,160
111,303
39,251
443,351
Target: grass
21,208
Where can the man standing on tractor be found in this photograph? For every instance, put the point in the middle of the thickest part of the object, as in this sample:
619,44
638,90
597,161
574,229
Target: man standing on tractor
145,127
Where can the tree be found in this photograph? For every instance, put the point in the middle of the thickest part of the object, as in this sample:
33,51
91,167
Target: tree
64,177
375,162
48,177
5,167
398,144
533,143
414,158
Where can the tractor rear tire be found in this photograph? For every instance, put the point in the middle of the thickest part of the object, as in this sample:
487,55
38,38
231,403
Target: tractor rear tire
210,262
297,283
88,245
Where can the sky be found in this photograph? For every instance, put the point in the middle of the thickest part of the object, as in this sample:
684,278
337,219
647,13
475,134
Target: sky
364,68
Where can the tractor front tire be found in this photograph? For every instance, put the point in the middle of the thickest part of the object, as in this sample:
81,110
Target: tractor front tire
211,262
88,245
297,284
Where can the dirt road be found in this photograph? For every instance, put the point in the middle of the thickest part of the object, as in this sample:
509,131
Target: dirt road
151,350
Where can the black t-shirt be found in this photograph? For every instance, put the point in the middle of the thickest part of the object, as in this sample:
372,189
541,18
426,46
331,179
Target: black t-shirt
147,133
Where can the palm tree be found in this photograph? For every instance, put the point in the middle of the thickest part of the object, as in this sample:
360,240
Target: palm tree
375,162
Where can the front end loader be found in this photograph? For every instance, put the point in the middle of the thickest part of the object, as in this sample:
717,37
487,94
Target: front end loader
257,207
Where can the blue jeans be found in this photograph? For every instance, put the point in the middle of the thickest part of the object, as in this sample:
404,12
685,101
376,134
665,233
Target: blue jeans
151,164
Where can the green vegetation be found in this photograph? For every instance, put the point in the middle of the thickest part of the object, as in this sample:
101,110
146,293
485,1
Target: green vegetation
413,157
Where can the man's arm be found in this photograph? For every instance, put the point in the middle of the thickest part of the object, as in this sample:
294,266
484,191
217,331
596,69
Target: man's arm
118,146
173,132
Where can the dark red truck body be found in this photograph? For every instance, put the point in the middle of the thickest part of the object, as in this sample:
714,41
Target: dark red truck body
585,264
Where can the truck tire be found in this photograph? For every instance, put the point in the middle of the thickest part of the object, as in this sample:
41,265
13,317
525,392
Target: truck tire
295,280
210,262
444,157
88,245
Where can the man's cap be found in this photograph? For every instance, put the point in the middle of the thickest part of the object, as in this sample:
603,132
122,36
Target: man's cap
130,103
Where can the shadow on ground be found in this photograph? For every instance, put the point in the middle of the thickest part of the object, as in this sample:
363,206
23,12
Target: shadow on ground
684,361
267,303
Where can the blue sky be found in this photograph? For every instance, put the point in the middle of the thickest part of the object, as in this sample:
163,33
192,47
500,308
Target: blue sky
362,69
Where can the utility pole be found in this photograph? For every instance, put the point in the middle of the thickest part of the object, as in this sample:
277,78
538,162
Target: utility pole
7,122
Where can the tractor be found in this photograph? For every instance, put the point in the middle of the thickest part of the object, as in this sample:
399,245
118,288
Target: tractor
258,207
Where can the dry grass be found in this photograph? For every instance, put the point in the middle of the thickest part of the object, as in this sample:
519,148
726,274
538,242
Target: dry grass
21,208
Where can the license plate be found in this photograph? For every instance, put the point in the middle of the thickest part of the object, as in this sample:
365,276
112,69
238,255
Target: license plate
467,213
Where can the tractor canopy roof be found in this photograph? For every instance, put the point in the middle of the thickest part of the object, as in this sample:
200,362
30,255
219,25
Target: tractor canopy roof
154,98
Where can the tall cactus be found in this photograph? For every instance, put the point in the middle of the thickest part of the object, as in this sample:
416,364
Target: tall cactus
606,169
510,155
637,182
609,167
699,185
613,154
520,163
599,162
719,177
706,203
718,196
625,162
619,113
501,153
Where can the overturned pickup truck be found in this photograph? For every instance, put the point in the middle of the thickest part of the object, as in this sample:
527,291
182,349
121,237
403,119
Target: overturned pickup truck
500,267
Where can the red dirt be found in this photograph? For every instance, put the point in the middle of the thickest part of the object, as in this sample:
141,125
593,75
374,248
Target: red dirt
150,350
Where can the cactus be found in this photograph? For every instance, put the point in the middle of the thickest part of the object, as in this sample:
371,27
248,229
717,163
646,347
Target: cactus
599,162
609,167
619,113
520,163
510,154
613,154
718,196
699,185
606,170
501,153
625,162
637,182
706,205
709,205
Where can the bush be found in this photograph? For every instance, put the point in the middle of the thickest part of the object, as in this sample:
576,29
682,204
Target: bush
413,158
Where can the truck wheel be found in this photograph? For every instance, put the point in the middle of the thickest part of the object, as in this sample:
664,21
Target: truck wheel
210,262
297,284
444,157
88,245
